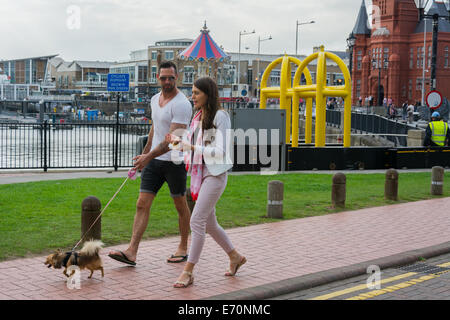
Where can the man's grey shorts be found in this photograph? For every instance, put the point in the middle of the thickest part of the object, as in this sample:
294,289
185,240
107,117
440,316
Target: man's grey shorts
158,171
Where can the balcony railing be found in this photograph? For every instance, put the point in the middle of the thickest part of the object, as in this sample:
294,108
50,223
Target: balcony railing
92,84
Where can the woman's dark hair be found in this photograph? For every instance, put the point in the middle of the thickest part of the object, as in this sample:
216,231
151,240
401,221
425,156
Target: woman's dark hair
209,87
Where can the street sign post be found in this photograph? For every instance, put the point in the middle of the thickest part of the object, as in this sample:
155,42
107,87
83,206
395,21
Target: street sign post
118,82
434,100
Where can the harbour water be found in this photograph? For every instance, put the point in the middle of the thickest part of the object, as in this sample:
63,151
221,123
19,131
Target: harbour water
32,145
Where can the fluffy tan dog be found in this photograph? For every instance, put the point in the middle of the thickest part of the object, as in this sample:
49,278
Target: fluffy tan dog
87,258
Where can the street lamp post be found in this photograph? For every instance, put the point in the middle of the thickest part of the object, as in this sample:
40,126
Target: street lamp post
351,41
422,102
241,33
379,66
296,33
258,82
434,51
421,5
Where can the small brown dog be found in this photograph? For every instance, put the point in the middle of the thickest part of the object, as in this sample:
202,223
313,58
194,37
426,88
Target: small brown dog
87,258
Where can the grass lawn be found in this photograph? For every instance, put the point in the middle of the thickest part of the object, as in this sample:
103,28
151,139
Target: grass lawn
38,217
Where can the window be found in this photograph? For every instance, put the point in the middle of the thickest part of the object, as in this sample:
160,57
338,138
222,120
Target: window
358,88
229,73
153,74
188,74
12,70
219,77
169,55
419,57
359,61
142,76
446,58
154,55
249,76
410,89
419,84
386,60
131,72
27,71
411,58
275,78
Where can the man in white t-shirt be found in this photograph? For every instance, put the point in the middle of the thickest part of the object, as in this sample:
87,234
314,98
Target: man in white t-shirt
171,110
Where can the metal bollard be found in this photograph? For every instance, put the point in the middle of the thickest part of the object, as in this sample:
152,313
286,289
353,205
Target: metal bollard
90,209
275,199
437,181
338,190
190,201
391,185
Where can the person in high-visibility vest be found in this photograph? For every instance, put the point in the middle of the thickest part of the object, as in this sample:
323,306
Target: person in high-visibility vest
437,133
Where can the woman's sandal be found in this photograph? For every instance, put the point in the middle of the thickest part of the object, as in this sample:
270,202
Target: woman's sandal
229,273
185,284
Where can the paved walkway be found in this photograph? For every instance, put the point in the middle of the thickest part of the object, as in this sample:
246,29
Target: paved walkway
275,252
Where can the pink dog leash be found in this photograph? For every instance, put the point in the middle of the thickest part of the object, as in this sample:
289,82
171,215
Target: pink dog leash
131,175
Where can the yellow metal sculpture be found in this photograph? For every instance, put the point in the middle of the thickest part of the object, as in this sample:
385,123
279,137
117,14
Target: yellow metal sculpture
290,91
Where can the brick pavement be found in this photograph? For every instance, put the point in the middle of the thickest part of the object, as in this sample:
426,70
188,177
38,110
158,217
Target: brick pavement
274,251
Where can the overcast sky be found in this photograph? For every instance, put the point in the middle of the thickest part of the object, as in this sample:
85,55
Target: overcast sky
108,30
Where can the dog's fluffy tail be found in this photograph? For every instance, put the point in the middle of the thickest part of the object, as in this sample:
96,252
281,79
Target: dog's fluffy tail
92,247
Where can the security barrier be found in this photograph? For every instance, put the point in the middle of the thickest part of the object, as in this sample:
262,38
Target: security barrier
291,91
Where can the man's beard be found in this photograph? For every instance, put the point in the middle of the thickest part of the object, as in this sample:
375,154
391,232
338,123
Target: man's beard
168,89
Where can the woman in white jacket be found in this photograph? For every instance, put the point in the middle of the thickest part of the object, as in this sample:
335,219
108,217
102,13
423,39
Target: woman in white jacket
207,150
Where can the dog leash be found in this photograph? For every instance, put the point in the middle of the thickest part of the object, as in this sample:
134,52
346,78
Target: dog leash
132,176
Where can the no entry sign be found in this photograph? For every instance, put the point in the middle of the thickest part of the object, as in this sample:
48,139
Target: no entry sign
434,100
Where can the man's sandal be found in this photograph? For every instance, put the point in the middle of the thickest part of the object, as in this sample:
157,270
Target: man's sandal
185,284
236,266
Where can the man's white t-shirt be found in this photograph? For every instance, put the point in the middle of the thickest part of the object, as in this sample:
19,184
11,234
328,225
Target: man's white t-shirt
178,110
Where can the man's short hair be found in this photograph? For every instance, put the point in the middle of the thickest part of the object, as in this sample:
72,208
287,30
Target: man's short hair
167,65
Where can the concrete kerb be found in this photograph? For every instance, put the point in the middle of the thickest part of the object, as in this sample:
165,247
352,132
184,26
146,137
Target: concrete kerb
287,286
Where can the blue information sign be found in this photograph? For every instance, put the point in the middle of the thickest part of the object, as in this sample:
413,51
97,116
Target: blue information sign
118,82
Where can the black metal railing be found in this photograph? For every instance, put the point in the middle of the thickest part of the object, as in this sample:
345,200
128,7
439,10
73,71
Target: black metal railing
67,145
393,130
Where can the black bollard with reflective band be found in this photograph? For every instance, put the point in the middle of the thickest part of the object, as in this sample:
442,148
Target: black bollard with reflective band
437,181
275,199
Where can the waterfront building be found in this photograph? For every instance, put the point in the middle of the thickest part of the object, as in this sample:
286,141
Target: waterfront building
137,68
389,58
251,63
82,75
25,75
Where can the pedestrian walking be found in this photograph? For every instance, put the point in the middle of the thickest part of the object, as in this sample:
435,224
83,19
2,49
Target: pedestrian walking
404,110
207,137
171,111
410,113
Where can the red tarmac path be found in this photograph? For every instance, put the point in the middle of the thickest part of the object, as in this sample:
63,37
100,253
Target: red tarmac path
275,251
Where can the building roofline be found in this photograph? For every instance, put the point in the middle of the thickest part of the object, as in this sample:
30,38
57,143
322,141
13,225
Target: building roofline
361,22
32,58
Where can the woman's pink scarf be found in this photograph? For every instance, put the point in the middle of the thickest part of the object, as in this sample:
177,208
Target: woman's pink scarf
196,166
